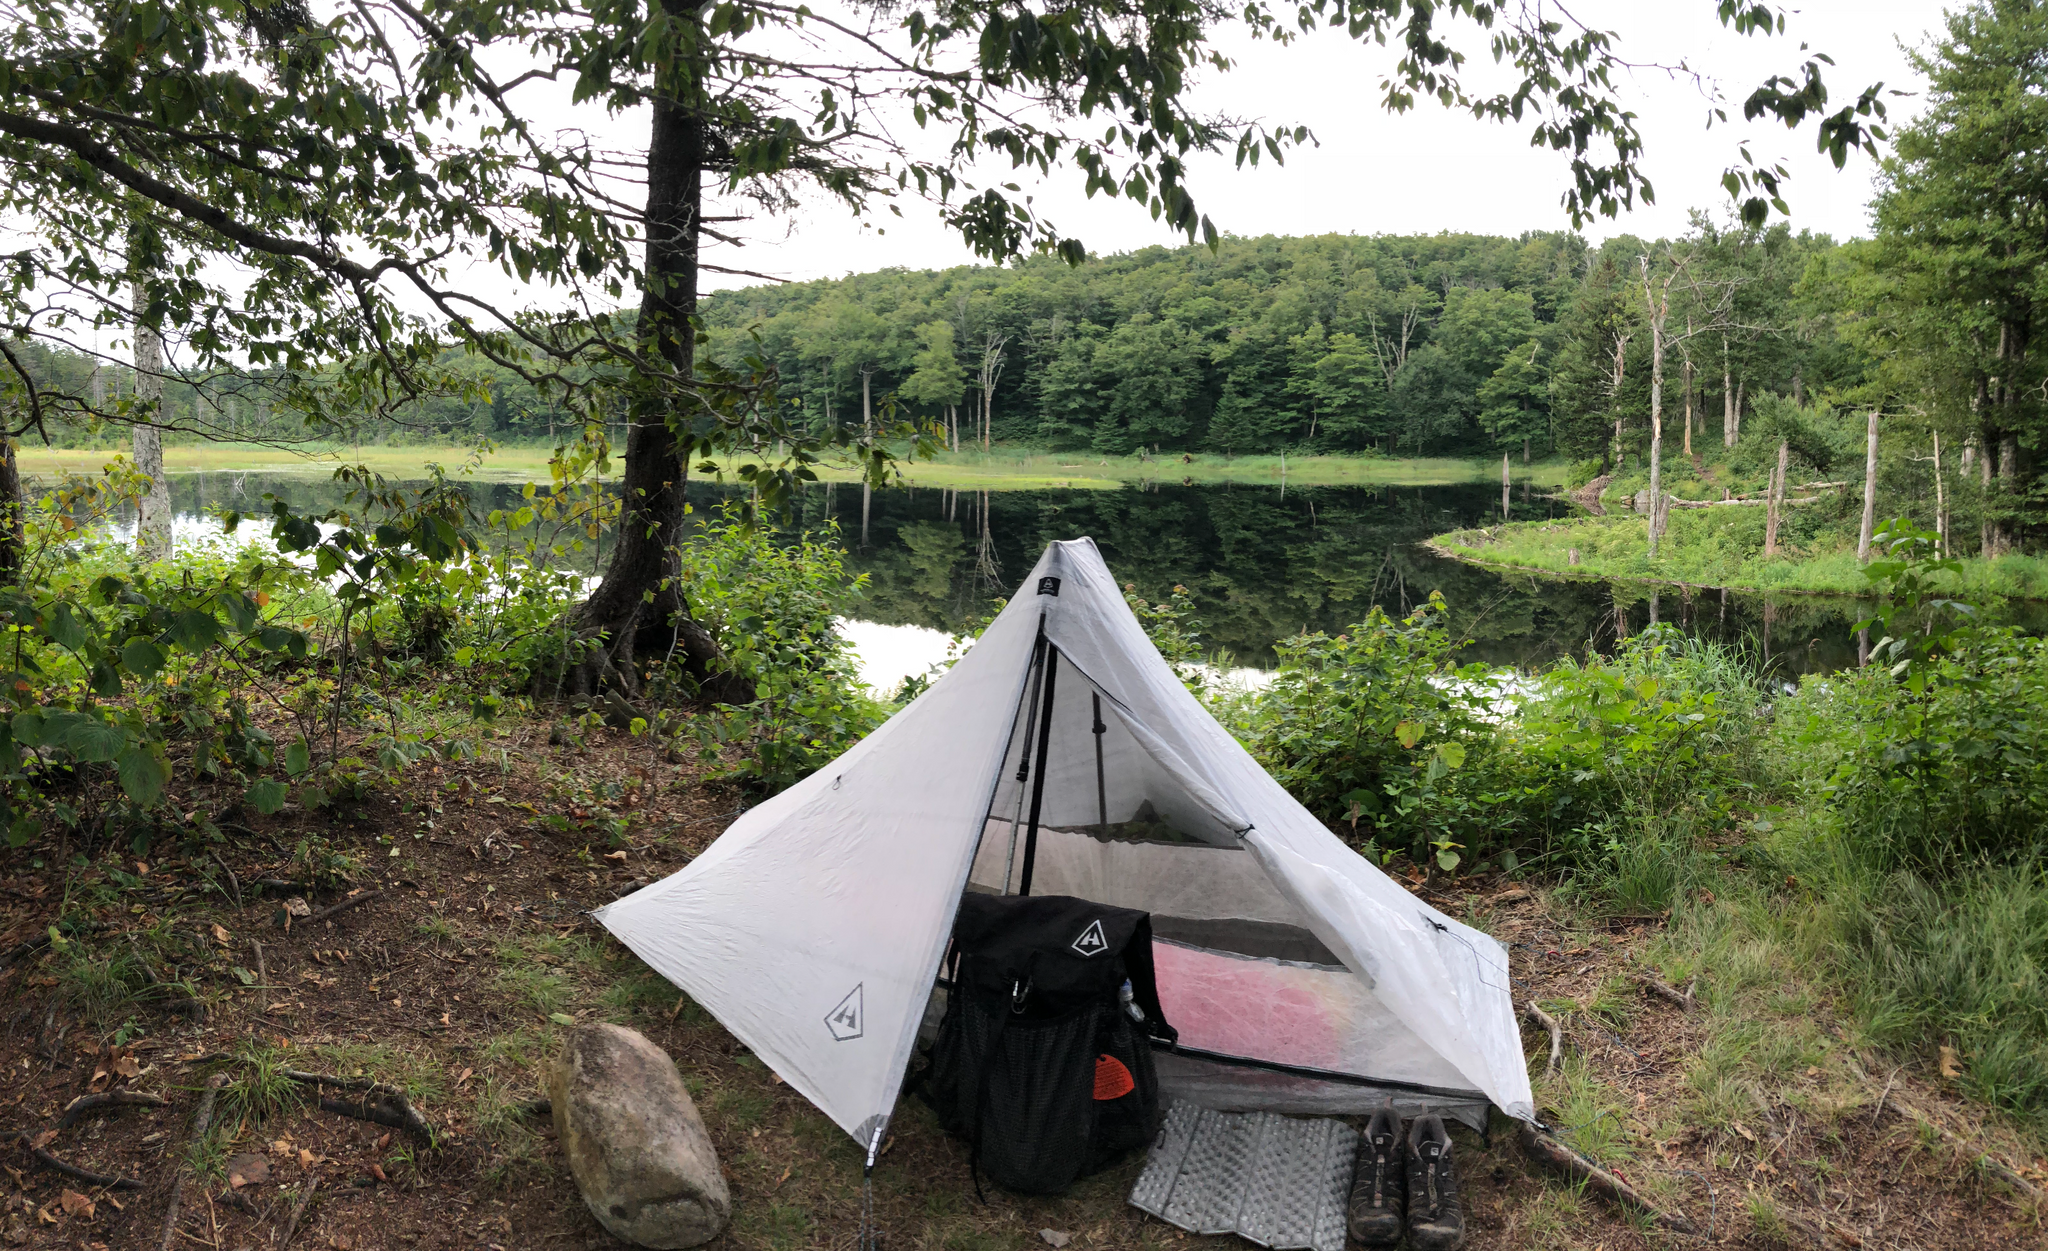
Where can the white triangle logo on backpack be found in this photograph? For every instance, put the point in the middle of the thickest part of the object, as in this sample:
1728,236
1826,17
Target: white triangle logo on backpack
1092,942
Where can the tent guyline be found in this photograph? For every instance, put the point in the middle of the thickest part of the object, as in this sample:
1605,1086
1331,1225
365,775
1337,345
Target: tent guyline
1300,977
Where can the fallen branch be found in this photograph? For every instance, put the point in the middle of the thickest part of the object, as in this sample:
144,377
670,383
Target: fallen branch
200,1122
85,1175
262,972
298,1210
1548,1151
1664,990
338,908
1548,1022
1984,1159
110,1099
381,1104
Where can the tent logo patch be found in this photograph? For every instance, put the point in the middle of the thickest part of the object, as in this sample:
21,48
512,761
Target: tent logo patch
846,1020
1049,586
1091,942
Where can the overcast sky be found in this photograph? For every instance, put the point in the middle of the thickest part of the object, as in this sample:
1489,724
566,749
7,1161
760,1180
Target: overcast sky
1432,170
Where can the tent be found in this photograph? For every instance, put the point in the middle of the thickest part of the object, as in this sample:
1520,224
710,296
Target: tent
1061,755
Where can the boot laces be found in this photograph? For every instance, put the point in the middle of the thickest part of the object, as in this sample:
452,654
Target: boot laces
1434,1200
1379,1178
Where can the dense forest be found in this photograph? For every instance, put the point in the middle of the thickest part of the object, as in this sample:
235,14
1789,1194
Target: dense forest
1401,345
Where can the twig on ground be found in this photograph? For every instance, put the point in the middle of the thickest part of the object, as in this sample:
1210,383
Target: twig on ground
1548,1022
344,905
200,1122
1547,1150
262,971
298,1210
234,883
1683,998
382,1104
109,1099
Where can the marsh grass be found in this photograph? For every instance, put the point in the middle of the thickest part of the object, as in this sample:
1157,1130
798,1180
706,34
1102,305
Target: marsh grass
1714,547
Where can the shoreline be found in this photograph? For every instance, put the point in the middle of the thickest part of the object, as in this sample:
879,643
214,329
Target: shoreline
1002,469
2013,578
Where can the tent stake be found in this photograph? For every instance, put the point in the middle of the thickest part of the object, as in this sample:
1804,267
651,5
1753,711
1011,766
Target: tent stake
1101,790
1052,672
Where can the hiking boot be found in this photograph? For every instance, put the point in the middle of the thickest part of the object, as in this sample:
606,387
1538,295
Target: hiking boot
1379,1186
1435,1220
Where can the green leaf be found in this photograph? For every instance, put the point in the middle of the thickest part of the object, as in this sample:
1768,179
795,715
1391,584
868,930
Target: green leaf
244,976
28,728
195,630
1447,859
63,627
266,796
94,741
561,1018
241,611
1452,754
1510,861
1408,733
141,774
142,657
298,758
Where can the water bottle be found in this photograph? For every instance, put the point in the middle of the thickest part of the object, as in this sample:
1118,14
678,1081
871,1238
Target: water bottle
1125,995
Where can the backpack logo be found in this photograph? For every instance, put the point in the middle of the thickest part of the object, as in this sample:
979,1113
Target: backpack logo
1091,942
847,1018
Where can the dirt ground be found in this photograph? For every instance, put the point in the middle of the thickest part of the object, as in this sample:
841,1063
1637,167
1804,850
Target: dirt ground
455,974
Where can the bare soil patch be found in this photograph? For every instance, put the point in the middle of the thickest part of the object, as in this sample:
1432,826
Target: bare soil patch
452,977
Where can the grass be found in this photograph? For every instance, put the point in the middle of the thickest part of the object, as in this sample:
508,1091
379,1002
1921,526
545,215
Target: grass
1003,468
1712,547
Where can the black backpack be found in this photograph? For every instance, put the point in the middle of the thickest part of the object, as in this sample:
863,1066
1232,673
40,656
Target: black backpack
1041,1061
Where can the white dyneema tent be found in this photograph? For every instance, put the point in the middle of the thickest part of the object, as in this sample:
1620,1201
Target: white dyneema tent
1062,756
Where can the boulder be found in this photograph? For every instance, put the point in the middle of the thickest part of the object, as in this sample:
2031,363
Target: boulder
635,1143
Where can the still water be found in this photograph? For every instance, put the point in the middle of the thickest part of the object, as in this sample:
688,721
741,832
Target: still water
1260,563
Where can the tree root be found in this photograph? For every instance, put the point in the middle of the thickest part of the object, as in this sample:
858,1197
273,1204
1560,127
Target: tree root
381,1104
90,1178
110,1099
200,1122
1548,1151
1548,1022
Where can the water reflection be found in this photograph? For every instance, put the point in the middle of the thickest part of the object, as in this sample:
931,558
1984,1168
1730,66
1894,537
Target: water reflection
1261,565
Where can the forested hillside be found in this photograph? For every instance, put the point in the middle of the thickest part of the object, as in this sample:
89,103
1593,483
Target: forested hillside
1422,345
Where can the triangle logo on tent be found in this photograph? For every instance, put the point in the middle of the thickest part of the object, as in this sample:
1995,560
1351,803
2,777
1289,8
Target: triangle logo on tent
847,1019
1091,942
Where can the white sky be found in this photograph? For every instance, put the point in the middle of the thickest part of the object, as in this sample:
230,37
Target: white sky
1431,170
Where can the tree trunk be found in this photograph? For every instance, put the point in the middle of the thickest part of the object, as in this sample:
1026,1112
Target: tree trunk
638,609
1688,408
1740,384
1525,450
153,509
1941,543
1869,493
1505,486
1656,318
1774,503
1727,399
13,538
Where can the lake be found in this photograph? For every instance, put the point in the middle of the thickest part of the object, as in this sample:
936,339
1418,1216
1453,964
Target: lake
1262,564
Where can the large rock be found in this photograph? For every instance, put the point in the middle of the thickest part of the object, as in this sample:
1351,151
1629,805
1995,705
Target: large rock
634,1140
